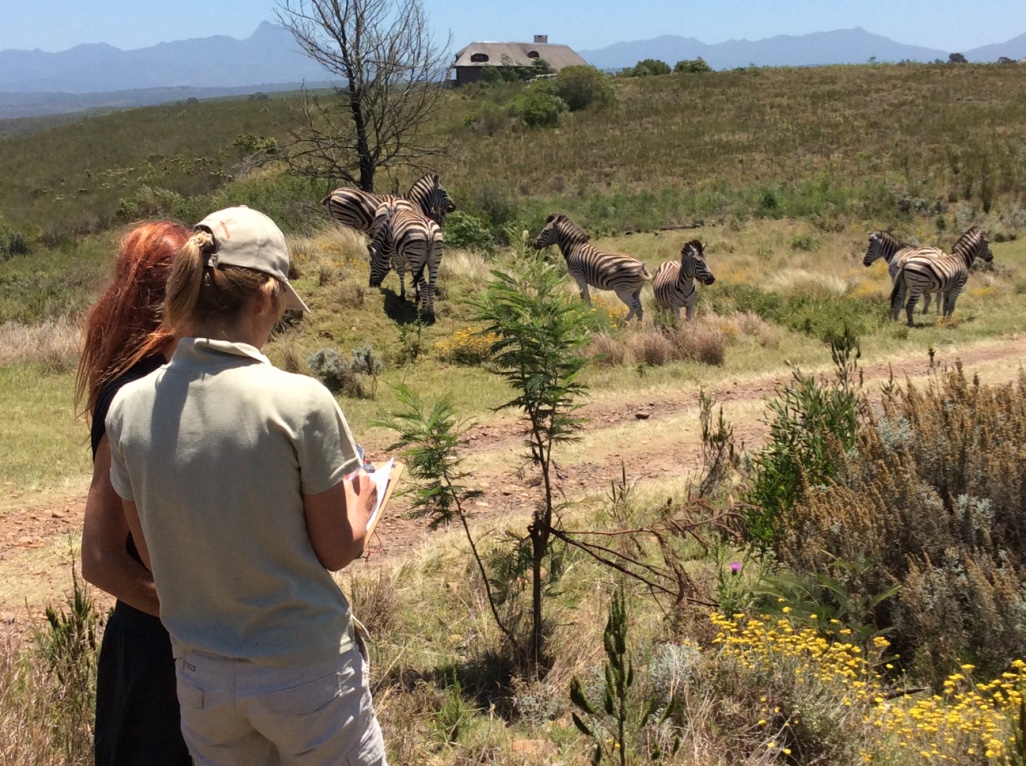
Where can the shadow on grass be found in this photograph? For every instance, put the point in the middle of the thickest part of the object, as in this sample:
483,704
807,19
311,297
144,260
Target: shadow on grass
485,682
399,310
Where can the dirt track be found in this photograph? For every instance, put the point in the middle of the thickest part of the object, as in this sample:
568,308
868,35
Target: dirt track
656,440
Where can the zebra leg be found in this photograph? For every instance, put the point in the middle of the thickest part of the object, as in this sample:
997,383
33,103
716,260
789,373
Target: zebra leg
913,299
949,300
631,302
689,311
399,264
926,302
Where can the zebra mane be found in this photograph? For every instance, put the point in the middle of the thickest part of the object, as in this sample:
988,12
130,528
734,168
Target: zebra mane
693,246
568,227
887,238
970,244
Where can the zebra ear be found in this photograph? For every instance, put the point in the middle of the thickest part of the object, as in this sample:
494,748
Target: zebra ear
551,218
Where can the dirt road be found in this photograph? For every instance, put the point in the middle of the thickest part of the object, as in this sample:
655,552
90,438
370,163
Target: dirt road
656,439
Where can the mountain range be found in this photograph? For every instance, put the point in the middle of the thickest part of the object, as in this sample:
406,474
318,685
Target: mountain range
102,76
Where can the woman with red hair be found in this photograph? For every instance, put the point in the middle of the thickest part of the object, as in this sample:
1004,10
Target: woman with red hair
137,713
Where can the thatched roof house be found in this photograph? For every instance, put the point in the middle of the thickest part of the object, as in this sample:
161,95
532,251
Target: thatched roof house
475,57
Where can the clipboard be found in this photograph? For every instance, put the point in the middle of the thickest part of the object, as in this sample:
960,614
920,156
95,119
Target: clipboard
386,478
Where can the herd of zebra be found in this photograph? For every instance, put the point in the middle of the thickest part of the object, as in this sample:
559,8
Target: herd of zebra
926,270
406,234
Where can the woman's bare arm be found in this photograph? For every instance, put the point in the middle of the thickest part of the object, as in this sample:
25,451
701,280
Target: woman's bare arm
105,560
336,520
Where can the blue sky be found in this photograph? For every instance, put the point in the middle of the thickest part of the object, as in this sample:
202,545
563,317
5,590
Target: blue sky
947,25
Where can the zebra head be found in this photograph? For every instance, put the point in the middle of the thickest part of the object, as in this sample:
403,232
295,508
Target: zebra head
432,198
560,230
379,249
881,245
692,262
972,245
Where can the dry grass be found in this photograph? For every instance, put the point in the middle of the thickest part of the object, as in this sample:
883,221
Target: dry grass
36,728
54,345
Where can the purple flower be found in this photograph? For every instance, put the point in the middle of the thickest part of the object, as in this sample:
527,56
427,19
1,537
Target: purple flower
735,567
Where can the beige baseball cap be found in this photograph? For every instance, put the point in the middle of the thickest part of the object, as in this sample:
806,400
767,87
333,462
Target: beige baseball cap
248,238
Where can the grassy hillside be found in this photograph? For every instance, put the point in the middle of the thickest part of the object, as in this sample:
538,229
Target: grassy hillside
782,174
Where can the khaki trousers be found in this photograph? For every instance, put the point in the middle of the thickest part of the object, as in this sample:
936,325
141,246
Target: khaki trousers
235,712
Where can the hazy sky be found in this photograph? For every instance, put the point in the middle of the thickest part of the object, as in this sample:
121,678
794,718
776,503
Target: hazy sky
947,25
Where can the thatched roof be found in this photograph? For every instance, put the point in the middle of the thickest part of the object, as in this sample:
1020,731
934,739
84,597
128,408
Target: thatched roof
517,54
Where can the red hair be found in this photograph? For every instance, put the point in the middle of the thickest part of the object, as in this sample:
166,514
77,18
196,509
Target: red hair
126,322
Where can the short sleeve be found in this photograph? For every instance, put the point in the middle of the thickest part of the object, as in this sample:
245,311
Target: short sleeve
119,478
324,447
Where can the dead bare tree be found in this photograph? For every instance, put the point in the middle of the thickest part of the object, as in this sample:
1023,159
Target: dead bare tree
390,80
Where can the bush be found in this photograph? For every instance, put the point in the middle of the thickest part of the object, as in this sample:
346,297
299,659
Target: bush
692,66
467,232
538,109
812,424
582,87
148,202
930,495
646,68
334,372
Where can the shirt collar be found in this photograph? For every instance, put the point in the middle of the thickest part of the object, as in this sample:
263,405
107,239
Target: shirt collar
196,349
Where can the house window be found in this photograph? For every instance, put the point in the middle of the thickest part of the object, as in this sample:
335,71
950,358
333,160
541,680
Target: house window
532,54
479,58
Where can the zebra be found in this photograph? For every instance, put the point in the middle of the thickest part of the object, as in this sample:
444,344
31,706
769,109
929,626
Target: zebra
675,280
947,274
357,208
623,274
404,237
884,245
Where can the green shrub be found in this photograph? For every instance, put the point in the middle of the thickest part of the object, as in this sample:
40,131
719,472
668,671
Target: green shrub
647,68
692,66
148,202
538,109
812,422
468,232
583,86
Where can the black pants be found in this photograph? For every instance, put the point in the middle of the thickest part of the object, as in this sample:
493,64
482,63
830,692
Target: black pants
137,718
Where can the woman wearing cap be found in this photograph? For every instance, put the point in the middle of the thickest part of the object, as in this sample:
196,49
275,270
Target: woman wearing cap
136,704
235,481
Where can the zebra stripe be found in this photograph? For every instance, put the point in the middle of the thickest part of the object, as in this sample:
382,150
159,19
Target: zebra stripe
406,238
623,274
675,281
946,274
356,208
884,245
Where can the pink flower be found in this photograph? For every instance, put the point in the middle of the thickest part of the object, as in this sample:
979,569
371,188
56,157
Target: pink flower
735,567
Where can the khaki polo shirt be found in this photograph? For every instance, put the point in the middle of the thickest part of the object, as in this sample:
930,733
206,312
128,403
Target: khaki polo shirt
217,449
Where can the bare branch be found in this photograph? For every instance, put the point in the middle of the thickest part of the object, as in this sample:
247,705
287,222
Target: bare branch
390,78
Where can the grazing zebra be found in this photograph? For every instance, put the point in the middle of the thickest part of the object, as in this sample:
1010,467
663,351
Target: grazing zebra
408,239
675,280
946,274
883,245
356,208
623,274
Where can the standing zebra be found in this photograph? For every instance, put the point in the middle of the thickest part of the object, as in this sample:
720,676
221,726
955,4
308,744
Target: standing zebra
883,245
946,274
408,239
675,280
356,208
623,274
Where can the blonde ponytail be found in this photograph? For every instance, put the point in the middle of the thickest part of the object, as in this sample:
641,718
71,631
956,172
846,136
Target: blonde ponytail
186,280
